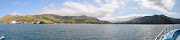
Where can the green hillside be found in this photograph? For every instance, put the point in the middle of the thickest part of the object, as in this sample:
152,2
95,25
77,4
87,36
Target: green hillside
31,19
155,19
70,19
50,18
6,18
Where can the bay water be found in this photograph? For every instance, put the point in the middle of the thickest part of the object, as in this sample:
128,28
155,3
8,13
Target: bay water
81,31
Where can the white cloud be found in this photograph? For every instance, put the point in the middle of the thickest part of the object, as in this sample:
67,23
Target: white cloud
15,13
136,0
160,5
77,9
103,12
123,2
123,18
51,5
98,1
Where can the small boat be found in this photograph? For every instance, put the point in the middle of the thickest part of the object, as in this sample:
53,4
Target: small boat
172,35
2,37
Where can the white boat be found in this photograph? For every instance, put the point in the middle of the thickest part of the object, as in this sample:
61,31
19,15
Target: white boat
169,33
2,37
172,35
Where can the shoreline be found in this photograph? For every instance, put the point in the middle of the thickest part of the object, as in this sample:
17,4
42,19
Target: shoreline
68,23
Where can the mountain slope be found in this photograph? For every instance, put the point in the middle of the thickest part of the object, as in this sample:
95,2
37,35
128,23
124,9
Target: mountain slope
155,19
31,19
6,18
50,18
70,19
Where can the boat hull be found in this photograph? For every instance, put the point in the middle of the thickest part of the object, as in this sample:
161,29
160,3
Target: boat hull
172,35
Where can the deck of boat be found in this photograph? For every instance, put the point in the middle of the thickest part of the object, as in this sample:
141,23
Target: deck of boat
163,33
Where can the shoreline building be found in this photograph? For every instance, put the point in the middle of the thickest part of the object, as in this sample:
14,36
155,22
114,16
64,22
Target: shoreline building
13,22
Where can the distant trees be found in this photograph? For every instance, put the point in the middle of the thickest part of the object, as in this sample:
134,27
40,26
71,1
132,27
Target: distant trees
50,18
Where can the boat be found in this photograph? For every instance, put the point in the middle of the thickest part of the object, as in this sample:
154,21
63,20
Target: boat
172,35
2,37
169,33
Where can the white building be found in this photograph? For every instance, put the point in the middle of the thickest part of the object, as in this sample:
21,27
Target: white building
19,22
14,22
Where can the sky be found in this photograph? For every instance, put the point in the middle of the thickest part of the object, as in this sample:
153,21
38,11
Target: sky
108,10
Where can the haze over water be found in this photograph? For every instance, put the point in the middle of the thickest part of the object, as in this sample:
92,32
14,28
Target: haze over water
81,31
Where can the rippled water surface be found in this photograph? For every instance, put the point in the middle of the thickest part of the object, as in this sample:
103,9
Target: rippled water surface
81,31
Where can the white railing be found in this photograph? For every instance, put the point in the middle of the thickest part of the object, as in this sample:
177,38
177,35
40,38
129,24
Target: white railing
163,32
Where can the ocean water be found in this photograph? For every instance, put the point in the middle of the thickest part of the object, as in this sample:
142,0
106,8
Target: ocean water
81,31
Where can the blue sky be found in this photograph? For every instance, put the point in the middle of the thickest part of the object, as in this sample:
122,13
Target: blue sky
110,10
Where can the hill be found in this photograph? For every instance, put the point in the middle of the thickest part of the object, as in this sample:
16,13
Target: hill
155,19
7,17
50,19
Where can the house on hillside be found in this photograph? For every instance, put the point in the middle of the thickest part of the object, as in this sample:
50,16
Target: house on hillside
19,22
13,22
16,22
